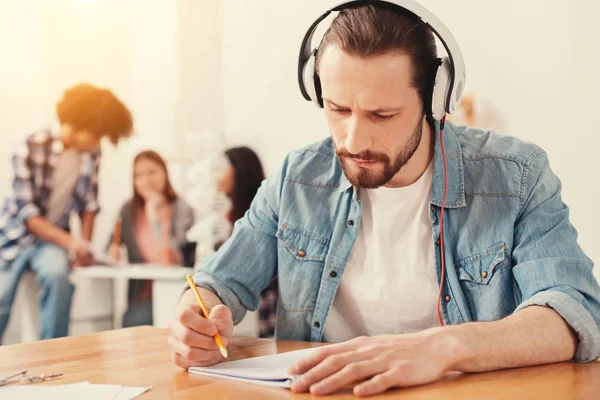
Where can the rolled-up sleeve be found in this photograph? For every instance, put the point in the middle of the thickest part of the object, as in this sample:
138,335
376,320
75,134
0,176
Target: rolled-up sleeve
550,268
247,262
23,185
569,304
206,280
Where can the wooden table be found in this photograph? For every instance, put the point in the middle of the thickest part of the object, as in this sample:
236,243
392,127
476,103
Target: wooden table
139,357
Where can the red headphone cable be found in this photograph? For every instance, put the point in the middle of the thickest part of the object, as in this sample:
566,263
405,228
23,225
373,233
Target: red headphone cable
439,307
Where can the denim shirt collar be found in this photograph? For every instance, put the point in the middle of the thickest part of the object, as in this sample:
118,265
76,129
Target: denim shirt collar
455,196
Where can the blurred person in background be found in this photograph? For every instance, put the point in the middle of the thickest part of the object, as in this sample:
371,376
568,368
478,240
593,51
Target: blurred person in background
154,224
56,175
240,182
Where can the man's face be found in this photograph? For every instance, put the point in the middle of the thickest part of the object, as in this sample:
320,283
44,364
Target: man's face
374,114
83,139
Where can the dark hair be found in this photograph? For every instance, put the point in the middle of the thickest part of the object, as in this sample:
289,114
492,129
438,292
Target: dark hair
373,30
98,110
247,177
170,194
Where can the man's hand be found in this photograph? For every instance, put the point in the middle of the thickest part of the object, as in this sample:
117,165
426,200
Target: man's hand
80,252
384,361
192,340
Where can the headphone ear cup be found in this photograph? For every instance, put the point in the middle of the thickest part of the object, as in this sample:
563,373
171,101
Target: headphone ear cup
311,81
430,85
441,87
318,92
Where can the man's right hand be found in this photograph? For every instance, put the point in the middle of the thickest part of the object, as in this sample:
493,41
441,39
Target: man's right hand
192,340
80,251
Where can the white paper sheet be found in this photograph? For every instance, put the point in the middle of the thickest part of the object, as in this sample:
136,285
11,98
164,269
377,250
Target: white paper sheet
128,393
267,370
83,390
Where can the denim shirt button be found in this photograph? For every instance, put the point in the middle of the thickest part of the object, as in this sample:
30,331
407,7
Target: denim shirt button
437,242
301,253
484,274
317,324
447,298
351,222
333,274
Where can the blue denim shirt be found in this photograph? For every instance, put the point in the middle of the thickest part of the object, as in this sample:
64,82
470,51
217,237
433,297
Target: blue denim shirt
508,240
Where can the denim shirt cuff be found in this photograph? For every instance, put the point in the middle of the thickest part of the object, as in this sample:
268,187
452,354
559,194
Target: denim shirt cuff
227,296
575,314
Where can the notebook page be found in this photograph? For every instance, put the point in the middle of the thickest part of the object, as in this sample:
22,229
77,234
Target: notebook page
265,368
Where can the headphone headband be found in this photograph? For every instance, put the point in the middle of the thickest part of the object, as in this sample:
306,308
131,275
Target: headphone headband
457,63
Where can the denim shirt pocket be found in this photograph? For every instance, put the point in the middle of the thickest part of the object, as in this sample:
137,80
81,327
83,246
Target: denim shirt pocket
480,268
301,255
486,281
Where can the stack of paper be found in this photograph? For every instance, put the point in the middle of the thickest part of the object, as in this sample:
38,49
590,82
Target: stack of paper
83,390
266,371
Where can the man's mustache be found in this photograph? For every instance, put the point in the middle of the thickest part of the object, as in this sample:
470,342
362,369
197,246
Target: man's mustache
364,156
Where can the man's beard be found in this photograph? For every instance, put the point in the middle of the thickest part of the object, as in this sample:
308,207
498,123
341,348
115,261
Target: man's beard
365,178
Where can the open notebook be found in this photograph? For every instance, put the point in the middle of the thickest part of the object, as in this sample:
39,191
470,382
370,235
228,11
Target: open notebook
266,370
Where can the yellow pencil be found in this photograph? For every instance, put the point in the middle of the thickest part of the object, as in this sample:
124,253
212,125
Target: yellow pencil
217,337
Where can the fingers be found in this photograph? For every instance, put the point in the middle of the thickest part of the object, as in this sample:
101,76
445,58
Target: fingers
347,375
83,259
191,356
321,354
191,317
179,360
325,368
379,383
86,260
82,253
192,338
221,316
309,362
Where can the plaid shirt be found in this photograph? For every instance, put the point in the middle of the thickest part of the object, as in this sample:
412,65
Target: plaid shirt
33,163
267,310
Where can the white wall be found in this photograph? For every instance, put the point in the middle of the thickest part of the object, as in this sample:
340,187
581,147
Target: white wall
536,61
263,106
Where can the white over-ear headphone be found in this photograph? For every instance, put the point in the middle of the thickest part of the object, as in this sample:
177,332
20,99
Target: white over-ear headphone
448,75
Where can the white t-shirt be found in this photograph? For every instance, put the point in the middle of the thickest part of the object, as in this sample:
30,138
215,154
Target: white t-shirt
389,285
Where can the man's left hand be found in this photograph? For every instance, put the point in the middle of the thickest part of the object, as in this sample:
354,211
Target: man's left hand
382,361
84,260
